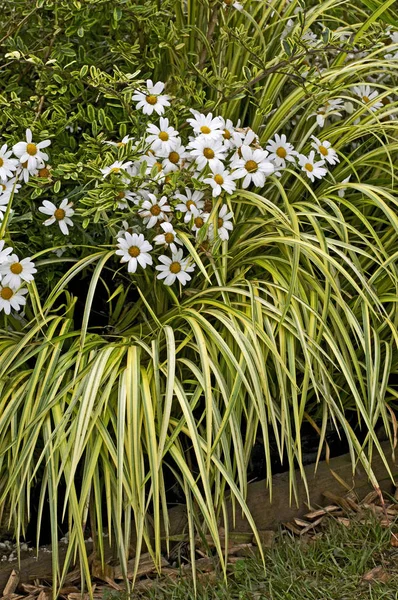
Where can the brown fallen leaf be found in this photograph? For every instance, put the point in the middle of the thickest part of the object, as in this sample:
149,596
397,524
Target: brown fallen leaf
301,522
311,526
315,514
376,574
45,594
394,540
12,583
292,528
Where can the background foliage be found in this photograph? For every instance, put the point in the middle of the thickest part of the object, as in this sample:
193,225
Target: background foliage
112,388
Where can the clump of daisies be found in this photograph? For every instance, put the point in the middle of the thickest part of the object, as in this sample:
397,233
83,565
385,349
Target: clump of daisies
15,273
184,182
27,158
173,183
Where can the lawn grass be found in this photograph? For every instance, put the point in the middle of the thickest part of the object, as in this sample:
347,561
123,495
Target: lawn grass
329,567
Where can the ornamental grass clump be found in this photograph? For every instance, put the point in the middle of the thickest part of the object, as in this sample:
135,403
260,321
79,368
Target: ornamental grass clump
197,255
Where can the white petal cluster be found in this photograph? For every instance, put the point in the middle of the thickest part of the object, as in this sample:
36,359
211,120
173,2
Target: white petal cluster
214,159
14,274
175,182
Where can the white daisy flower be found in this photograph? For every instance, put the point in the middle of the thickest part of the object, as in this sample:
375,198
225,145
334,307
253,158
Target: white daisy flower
330,108
220,180
152,99
163,138
231,136
310,37
173,161
254,166
310,167
189,201
247,138
6,187
115,167
138,197
14,271
204,126
207,152
367,96
236,5
154,210
61,214
7,165
123,197
24,172
199,220
281,151
30,152
224,224
4,252
152,161
122,143
169,237
11,297
325,150
73,128
341,191
134,250
174,268
126,227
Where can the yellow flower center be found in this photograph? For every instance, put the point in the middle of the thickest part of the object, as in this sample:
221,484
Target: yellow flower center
120,195
3,187
226,135
44,172
189,204
155,210
281,152
169,238
158,166
324,151
120,144
134,251
31,149
220,222
25,164
115,170
164,136
208,153
198,222
59,214
228,2
366,99
6,293
219,179
251,166
205,129
16,268
1,162
309,167
175,268
151,99
174,157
